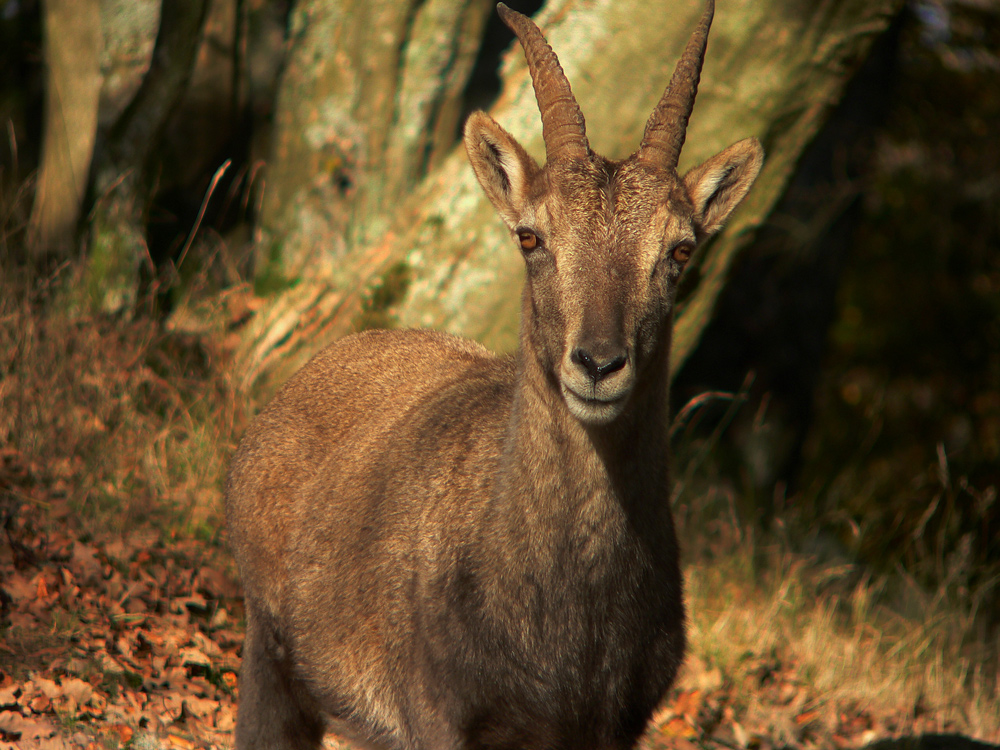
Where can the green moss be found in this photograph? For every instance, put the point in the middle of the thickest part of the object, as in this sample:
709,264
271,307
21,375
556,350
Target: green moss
111,280
379,301
271,278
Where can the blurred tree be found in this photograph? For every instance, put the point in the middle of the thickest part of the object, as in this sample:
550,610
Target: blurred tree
72,32
132,139
120,177
368,104
122,180
370,217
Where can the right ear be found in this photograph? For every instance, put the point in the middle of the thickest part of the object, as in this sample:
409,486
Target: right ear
502,166
717,186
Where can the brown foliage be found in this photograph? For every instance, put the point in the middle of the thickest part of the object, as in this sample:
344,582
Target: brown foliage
110,638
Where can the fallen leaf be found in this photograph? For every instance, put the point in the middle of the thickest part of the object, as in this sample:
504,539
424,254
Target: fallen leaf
678,727
79,691
219,619
15,726
688,704
179,742
19,587
123,731
217,585
124,647
228,638
110,665
206,645
200,707
84,563
225,719
741,734
192,657
170,709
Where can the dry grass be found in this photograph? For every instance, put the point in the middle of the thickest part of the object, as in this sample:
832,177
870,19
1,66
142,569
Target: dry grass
131,423
796,627
795,637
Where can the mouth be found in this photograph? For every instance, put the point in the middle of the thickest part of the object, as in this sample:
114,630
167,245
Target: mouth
593,409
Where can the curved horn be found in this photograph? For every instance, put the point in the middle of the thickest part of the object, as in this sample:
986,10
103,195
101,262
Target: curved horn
563,127
667,126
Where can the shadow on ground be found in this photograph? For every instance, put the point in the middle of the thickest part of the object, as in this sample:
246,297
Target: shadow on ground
932,742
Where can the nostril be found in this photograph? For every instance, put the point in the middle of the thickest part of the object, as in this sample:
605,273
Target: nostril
597,370
612,366
584,360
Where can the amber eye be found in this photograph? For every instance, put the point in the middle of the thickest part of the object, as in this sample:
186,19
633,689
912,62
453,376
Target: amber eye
528,240
682,252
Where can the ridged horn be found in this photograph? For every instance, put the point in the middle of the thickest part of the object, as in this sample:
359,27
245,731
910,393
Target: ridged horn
667,126
563,128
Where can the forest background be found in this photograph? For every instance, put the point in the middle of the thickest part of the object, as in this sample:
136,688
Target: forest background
197,195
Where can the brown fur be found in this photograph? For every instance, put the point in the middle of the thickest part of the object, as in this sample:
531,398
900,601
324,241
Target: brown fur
442,548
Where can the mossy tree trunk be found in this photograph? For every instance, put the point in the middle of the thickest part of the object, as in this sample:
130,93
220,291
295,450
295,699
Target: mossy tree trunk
367,106
122,181
440,257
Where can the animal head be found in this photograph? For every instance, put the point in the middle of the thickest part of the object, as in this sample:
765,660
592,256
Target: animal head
604,242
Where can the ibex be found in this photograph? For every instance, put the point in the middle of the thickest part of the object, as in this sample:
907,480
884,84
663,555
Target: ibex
443,548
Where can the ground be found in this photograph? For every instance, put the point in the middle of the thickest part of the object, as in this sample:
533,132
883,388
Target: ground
132,640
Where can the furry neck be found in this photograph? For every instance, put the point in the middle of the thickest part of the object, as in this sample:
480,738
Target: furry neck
553,464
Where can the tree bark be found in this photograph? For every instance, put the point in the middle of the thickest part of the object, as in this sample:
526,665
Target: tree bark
117,233
73,43
368,103
774,69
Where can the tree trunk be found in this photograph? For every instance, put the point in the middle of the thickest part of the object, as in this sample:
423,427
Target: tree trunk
774,69
117,233
73,45
368,103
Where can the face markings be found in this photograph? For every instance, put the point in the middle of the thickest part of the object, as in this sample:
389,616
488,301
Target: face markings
607,182
607,268
649,220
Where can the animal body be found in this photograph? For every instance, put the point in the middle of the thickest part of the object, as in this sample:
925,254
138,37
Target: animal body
444,548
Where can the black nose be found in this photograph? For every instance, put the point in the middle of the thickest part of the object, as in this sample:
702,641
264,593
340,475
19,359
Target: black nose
598,368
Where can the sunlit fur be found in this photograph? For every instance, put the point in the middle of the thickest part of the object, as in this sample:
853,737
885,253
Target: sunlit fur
442,548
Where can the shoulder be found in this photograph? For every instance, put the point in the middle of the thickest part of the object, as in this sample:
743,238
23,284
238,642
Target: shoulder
398,365
409,352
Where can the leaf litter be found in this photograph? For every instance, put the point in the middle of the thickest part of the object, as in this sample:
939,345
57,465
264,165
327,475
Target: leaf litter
127,641
134,642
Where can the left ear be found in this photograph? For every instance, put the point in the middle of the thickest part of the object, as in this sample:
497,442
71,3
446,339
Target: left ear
717,186
502,166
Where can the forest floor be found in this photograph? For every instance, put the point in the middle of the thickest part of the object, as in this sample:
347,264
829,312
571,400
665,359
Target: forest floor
133,641
121,621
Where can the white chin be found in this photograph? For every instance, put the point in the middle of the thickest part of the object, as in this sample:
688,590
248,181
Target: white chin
592,411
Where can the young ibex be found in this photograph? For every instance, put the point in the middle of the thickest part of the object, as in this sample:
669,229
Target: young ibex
442,548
